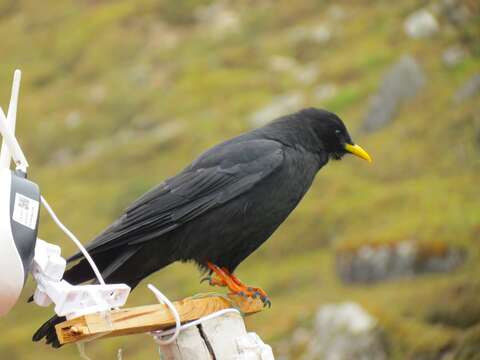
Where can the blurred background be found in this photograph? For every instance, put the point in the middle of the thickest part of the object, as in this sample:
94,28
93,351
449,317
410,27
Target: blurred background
377,262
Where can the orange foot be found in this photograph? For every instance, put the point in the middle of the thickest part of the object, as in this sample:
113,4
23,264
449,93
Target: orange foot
223,277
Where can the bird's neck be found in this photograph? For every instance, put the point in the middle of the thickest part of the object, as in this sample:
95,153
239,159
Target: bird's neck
293,133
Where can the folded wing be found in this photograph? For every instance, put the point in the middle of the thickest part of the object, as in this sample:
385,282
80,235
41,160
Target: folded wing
216,177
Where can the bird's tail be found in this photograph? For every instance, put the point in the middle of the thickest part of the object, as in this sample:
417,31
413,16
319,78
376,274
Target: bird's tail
47,331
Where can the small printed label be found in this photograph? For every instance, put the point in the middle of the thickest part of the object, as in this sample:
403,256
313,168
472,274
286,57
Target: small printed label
25,211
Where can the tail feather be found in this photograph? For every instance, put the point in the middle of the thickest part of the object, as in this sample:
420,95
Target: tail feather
82,271
47,331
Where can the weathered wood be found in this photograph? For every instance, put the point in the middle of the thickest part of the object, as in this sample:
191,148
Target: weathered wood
223,337
147,318
188,346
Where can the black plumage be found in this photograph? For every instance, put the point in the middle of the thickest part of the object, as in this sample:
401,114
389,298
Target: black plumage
220,208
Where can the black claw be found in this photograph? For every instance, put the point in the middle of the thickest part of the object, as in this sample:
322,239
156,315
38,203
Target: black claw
209,278
266,301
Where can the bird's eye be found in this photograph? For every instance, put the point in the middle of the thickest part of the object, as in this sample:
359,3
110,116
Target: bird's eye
337,132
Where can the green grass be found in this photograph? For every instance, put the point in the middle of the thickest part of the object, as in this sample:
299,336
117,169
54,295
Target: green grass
129,68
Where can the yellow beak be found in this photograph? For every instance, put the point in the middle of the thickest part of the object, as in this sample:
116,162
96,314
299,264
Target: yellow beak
358,151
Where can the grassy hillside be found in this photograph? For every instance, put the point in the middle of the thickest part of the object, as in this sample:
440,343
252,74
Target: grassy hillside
118,95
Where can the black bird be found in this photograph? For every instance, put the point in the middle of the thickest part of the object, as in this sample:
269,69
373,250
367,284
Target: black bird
220,208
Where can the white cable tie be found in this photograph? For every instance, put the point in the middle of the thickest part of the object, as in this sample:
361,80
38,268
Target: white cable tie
82,351
159,334
201,320
75,240
164,300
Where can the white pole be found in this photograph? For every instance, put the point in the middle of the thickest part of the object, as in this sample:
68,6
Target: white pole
223,337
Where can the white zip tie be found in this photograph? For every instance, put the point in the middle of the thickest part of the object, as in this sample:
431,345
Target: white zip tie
81,351
81,344
164,300
159,334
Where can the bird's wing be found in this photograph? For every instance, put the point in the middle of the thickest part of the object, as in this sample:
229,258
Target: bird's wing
217,176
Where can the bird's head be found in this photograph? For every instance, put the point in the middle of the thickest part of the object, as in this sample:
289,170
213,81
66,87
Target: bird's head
333,135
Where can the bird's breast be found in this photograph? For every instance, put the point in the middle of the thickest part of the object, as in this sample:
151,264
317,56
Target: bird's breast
228,234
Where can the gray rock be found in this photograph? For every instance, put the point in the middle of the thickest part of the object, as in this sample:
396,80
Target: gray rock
283,63
279,106
73,119
456,12
324,92
305,74
343,332
161,35
453,55
370,264
218,17
402,82
468,90
320,34
421,24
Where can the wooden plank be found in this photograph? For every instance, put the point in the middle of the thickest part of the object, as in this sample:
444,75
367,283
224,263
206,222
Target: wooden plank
147,318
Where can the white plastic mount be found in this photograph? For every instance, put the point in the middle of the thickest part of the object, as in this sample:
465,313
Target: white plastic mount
70,301
48,265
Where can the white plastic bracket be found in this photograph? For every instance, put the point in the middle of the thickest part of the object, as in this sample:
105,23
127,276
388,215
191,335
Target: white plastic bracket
48,265
70,301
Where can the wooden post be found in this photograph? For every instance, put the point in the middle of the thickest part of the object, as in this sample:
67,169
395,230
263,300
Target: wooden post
224,337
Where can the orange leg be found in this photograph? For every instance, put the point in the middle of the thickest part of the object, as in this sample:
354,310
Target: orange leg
222,277
256,290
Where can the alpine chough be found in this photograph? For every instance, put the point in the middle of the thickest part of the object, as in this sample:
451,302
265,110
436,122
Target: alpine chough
220,208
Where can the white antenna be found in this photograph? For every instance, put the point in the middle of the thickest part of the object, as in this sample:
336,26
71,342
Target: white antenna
10,147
